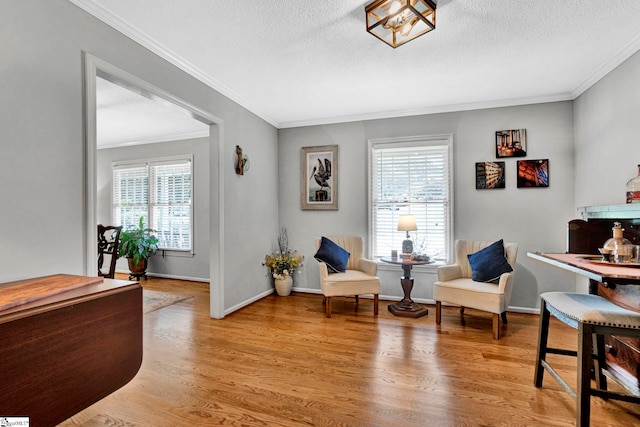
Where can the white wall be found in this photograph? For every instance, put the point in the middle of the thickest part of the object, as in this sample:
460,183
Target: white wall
42,161
607,136
173,264
535,218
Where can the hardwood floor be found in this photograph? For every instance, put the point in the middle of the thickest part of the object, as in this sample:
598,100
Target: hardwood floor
281,362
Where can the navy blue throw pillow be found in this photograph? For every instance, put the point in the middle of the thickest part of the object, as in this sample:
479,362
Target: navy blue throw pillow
489,263
333,255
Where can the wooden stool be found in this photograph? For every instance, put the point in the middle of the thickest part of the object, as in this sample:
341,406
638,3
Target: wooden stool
590,315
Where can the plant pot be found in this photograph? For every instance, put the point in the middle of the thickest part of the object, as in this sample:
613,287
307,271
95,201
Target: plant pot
138,269
283,286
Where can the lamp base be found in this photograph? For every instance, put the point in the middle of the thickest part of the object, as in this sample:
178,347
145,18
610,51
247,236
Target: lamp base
407,246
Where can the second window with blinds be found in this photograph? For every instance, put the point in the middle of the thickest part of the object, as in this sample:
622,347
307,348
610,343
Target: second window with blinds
411,176
160,191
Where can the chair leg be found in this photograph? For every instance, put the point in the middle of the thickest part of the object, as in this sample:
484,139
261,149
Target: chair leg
583,392
543,335
461,310
496,326
599,363
327,307
504,317
375,304
438,312
357,300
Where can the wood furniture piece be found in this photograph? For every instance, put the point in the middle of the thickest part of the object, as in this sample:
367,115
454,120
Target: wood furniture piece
66,342
622,354
108,242
456,286
593,316
406,307
585,236
358,279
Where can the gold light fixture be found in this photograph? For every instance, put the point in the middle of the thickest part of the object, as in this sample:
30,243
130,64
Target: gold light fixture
396,22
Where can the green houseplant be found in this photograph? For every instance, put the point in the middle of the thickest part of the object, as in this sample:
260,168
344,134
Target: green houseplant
137,244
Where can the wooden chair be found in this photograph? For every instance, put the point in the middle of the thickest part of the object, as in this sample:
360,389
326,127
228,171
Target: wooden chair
358,279
108,241
592,316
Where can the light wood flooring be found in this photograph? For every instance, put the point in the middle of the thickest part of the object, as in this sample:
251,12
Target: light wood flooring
280,362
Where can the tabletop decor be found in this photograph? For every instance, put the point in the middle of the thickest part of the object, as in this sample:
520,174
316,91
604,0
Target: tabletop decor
282,264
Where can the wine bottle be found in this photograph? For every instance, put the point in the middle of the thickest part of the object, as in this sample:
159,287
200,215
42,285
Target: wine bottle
633,189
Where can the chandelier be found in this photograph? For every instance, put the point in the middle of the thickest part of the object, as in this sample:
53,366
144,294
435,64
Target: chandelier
396,22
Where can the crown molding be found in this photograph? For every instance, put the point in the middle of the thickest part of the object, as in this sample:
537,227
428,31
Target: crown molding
193,135
428,110
130,31
625,53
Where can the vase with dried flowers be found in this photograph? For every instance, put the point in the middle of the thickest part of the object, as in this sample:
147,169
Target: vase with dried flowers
282,264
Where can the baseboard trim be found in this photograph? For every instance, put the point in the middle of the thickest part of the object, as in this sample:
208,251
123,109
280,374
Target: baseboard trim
170,276
249,301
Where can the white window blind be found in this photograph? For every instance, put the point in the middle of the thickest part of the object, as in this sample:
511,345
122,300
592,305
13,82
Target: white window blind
410,177
161,192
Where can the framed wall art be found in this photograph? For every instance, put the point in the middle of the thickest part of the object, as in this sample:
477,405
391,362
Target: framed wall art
319,178
489,175
511,143
533,173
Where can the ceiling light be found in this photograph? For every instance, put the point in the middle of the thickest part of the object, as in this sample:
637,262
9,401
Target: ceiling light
396,22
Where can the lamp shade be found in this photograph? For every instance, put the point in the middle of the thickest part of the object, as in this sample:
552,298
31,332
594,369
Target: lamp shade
396,22
407,223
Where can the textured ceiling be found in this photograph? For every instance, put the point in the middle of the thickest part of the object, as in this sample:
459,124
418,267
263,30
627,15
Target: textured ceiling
295,62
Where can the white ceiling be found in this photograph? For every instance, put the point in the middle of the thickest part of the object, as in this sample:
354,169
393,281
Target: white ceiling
297,63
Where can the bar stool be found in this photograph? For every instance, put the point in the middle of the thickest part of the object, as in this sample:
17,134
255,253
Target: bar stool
590,315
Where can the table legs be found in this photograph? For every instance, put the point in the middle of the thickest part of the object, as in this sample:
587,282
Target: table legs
406,307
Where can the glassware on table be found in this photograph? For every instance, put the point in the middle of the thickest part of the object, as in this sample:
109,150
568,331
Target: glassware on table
620,248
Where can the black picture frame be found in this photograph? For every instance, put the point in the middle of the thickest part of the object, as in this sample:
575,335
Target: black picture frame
533,173
490,175
511,143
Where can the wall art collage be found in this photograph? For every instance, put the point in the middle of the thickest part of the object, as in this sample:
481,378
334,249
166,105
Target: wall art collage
530,173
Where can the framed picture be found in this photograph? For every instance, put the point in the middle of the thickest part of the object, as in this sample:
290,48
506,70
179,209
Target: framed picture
511,143
489,175
319,177
533,173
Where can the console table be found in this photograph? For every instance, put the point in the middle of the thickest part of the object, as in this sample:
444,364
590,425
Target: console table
406,307
66,342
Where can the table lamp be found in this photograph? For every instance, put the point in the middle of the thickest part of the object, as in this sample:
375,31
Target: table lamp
407,223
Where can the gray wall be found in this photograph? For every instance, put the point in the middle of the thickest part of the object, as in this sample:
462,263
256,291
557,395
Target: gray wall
535,218
607,136
173,264
42,161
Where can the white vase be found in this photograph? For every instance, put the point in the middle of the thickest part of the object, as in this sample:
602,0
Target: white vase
283,286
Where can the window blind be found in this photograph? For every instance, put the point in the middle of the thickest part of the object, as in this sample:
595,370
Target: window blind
171,204
161,192
130,195
410,178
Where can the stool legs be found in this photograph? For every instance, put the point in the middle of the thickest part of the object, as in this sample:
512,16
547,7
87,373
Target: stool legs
583,389
543,335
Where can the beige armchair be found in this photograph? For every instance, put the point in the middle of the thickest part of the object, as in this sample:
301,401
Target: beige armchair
359,278
455,285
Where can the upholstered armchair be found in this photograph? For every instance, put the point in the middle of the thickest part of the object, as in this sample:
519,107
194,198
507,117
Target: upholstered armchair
342,275
492,293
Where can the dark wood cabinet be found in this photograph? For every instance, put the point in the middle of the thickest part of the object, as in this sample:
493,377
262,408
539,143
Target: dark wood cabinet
63,352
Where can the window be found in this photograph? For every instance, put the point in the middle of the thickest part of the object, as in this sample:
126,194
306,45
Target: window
160,191
411,176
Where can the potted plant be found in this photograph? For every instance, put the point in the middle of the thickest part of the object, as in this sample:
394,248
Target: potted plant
282,264
137,244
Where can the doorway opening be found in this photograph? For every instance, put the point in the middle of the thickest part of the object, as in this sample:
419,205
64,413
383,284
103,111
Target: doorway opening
100,73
